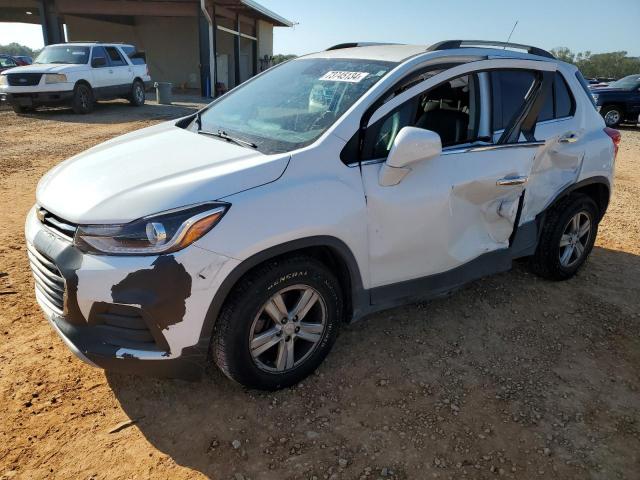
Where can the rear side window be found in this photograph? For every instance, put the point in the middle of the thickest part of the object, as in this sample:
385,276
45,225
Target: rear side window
136,57
115,57
585,87
509,89
563,101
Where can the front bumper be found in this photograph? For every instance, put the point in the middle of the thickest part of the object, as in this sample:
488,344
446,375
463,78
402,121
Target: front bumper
37,99
139,315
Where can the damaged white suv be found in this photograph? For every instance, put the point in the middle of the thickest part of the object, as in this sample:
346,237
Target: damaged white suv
329,187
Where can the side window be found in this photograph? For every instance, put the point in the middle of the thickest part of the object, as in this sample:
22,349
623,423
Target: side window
99,52
564,103
451,109
115,57
389,128
508,91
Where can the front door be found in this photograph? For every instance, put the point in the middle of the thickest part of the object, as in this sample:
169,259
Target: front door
442,222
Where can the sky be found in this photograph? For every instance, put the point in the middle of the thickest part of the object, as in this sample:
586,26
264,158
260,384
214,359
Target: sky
595,25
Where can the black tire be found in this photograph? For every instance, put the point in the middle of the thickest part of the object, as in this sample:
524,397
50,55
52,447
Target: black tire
231,338
22,109
613,115
83,100
546,262
137,97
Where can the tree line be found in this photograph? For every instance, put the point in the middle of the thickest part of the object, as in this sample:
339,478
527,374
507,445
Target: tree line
17,49
600,65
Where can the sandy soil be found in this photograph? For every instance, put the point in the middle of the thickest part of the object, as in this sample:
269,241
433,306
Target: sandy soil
512,377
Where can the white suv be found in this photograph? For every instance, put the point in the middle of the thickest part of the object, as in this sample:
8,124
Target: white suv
77,74
332,186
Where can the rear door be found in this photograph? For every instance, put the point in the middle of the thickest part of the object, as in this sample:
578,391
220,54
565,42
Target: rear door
122,72
449,212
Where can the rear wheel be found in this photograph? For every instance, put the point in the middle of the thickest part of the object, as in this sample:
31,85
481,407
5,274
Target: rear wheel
612,115
279,323
82,99
137,94
567,238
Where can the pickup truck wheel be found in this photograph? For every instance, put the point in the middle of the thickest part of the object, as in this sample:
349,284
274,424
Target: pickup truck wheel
82,99
568,235
278,323
137,94
612,115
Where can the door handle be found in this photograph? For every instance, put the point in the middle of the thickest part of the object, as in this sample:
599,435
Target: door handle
110,71
568,138
511,181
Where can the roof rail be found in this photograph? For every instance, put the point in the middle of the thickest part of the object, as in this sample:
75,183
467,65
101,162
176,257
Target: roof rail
82,41
452,44
357,44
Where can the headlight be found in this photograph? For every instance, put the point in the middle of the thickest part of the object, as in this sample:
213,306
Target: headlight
161,233
54,78
3,80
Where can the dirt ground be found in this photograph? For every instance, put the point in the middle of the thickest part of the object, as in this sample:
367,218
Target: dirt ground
511,377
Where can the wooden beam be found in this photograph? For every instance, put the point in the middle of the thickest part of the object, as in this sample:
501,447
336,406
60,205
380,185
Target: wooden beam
128,7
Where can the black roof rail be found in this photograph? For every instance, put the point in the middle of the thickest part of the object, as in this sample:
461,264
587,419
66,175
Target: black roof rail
452,44
357,44
83,41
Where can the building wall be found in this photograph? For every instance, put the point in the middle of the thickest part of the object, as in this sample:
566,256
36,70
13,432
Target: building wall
265,41
171,44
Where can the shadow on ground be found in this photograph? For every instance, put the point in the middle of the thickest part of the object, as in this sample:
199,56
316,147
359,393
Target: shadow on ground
120,111
496,375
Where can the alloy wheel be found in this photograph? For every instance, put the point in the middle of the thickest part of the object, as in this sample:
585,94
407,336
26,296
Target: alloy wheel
574,239
288,328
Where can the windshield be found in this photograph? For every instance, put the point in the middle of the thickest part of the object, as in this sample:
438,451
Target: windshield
627,83
293,104
63,54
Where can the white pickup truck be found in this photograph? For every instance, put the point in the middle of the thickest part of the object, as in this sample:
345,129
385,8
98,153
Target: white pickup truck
77,74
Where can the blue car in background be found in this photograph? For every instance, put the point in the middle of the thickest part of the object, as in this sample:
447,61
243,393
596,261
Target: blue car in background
620,101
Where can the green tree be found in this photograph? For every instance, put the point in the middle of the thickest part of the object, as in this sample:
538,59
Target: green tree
279,58
17,49
600,65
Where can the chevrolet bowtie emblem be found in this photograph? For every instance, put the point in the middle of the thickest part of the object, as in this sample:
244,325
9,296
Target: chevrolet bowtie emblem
41,214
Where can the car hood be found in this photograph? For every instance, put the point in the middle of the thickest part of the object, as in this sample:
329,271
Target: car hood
150,171
47,68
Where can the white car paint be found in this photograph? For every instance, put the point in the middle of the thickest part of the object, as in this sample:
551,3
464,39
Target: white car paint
442,214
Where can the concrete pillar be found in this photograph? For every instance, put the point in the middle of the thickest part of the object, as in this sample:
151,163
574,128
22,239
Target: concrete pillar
207,85
52,31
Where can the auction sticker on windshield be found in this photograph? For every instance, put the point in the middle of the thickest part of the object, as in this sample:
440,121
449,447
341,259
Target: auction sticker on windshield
351,77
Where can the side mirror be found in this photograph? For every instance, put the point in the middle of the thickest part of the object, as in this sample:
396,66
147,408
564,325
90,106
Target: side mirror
98,62
411,145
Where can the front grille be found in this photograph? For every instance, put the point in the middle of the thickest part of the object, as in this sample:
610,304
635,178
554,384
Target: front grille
59,226
23,79
49,282
123,326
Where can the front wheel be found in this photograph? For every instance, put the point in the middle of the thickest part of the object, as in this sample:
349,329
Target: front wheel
278,324
568,235
82,99
137,94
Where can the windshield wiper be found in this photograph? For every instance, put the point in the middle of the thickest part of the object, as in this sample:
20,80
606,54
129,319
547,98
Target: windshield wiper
225,136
